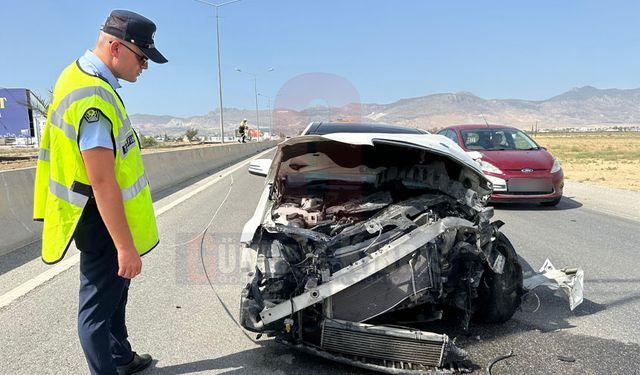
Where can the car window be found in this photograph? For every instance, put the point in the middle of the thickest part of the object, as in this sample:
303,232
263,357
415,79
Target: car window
449,133
496,139
523,142
471,139
453,135
501,140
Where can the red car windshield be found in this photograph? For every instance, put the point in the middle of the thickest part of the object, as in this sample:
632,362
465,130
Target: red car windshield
495,139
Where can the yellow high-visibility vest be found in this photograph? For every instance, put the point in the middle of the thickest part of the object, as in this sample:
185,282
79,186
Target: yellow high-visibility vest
62,187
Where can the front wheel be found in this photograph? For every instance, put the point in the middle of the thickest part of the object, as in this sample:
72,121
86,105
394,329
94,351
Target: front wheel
499,295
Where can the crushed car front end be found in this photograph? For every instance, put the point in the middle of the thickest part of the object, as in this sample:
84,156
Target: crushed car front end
352,229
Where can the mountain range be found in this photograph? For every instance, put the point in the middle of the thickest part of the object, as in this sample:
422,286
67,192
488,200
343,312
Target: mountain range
584,107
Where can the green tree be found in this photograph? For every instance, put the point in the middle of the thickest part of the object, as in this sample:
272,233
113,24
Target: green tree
39,104
147,142
191,134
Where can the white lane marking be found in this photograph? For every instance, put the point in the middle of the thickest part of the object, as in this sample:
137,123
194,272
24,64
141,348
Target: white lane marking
29,285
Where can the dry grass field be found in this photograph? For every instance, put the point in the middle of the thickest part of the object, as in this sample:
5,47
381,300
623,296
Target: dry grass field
609,158
13,158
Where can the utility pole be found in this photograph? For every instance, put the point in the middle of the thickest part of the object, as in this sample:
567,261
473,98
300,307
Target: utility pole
255,91
270,113
217,6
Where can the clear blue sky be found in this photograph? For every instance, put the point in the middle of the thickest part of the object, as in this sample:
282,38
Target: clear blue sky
387,50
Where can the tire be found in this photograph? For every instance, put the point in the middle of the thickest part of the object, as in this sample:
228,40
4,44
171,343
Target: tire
551,203
499,295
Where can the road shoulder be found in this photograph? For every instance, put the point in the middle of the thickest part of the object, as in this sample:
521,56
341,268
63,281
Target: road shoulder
618,202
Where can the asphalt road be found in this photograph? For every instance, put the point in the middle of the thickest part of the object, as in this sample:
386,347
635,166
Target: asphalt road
175,314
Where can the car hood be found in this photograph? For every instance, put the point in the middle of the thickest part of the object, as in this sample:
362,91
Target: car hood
431,142
511,159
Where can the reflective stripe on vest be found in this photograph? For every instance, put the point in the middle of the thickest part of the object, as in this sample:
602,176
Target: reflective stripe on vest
43,154
56,120
134,189
67,194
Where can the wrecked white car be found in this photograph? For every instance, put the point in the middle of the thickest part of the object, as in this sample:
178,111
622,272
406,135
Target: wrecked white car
354,228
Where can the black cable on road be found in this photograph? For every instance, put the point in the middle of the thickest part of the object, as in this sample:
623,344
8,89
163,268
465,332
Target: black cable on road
204,233
498,359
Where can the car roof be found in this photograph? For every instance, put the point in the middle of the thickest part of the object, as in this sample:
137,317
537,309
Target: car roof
321,128
479,126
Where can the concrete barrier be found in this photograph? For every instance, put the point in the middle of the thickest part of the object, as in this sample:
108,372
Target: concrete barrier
17,227
165,169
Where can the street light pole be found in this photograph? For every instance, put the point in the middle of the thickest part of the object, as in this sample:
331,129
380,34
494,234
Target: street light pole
255,91
270,113
217,6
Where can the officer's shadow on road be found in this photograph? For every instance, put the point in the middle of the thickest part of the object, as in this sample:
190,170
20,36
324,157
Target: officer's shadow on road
17,258
567,203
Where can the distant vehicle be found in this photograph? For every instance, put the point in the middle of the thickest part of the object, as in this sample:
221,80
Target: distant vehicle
520,170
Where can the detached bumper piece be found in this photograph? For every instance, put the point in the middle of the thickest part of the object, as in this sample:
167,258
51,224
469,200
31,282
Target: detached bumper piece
388,349
568,282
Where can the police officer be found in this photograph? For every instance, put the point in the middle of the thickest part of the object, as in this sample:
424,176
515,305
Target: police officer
242,130
91,187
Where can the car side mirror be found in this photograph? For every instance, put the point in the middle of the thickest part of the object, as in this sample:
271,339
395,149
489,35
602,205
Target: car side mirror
260,167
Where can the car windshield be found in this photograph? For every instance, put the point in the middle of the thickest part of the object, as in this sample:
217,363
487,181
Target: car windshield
495,139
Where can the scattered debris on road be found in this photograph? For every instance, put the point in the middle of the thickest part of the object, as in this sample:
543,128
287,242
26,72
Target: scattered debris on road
566,358
567,282
498,359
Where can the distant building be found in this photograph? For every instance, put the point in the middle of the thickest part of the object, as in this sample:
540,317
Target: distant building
19,124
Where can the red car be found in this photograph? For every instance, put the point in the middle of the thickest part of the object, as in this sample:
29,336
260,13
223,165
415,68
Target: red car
520,170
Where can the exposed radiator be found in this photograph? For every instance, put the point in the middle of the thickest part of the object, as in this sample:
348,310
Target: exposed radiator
385,344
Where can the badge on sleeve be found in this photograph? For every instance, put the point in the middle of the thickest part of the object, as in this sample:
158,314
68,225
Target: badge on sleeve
92,115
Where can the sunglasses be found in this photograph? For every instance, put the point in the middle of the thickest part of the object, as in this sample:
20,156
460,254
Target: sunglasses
141,58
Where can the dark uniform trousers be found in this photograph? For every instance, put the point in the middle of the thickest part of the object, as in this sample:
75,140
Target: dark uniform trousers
103,296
